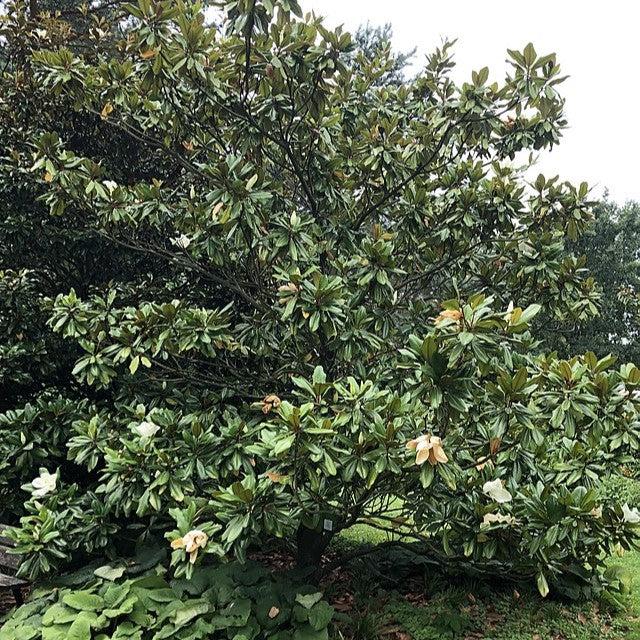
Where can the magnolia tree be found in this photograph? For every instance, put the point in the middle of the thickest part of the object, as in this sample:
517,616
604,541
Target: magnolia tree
323,307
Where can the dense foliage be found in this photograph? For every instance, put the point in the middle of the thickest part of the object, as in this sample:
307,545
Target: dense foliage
267,296
232,601
372,41
611,250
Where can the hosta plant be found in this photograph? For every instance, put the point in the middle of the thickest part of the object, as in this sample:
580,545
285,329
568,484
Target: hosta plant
232,601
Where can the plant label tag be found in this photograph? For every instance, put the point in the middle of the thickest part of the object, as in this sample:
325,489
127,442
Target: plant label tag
328,525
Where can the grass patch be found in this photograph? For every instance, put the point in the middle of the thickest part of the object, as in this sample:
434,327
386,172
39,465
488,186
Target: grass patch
387,606
631,562
435,606
505,617
361,534
461,608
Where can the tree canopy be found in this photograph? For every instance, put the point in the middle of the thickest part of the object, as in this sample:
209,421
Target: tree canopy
610,248
281,298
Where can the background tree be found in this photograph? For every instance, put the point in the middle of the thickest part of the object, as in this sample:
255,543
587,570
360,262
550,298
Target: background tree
43,254
610,248
304,303
371,41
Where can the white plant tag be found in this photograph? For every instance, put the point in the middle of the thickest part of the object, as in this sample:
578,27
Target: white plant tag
328,525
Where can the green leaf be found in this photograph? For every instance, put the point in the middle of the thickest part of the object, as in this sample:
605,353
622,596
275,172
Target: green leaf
519,380
83,601
543,587
319,376
529,313
429,347
55,632
283,444
235,527
307,632
190,610
320,615
236,614
427,474
58,614
529,54
465,337
110,572
308,600
80,629
483,75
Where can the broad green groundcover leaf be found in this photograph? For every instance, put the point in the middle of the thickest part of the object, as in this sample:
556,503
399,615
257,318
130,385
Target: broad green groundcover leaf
149,606
83,601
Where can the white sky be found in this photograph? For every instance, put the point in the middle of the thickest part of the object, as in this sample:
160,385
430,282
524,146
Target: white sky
598,46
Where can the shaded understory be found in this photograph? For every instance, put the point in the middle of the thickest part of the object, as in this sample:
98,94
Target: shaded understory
378,602
382,597
388,592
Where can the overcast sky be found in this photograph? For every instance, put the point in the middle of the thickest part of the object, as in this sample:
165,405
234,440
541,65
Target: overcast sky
598,46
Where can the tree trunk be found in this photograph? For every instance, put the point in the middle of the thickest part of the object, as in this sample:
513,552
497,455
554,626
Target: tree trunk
311,544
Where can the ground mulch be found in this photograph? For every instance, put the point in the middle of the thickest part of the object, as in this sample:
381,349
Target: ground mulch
7,601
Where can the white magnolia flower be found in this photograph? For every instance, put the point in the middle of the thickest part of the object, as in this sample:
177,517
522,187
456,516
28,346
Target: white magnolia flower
182,241
632,516
428,448
146,429
192,542
44,484
496,491
509,313
496,518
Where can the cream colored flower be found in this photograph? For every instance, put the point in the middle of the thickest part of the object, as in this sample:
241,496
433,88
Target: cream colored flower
596,512
622,391
428,448
483,462
270,402
509,313
288,289
496,518
449,314
632,516
106,111
192,542
496,491
146,429
274,476
182,241
44,484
